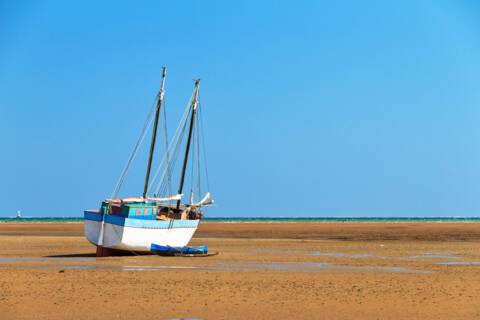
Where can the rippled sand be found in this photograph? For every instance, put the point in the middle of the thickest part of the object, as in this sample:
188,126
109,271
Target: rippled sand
263,271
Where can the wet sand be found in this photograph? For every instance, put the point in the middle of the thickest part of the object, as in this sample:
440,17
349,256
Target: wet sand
263,271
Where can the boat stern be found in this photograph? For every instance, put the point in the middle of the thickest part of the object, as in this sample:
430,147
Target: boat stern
92,226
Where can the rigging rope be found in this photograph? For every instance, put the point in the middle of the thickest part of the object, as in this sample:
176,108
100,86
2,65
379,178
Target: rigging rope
168,163
199,192
161,186
204,149
134,152
167,160
192,176
173,154
146,126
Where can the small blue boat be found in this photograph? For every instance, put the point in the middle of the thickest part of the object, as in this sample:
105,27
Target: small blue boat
166,250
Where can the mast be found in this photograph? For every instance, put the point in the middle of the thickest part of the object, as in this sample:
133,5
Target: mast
154,133
189,138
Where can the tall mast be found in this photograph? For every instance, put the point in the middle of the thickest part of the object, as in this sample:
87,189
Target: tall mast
154,133
189,138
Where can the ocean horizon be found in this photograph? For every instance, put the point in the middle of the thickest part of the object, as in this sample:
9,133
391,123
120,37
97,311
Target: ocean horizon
263,219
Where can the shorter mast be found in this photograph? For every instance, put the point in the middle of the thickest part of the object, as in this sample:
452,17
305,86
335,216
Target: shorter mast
189,138
154,133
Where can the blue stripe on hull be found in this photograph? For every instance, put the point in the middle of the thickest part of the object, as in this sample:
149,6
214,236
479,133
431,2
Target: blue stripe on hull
140,223
91,215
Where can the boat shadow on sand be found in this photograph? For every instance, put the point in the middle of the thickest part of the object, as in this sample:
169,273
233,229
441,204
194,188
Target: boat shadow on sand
91,255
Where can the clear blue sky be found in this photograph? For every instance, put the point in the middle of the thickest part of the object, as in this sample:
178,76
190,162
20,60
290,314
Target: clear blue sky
312,108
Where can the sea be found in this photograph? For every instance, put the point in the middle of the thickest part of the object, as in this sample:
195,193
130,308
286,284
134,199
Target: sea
266,219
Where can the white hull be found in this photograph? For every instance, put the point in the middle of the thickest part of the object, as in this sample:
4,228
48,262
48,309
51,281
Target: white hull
139,238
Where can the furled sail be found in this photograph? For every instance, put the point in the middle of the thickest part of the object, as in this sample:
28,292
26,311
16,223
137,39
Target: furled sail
142,199
207,200
169,198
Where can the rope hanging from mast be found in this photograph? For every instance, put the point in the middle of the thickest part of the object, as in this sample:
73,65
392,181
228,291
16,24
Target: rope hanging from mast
204,148
166,155
133,154
173,151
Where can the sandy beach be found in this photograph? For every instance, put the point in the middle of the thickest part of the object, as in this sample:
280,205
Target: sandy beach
263,271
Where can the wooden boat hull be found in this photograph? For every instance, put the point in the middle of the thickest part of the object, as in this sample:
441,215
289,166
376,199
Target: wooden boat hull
138,235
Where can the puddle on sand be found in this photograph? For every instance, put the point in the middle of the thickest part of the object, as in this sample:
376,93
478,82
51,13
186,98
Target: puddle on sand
323,254
9,261
279,266
344,255
432,256
314,266
114,267
43,259
361,255
276,251
124,268
219,266
390,269
460,263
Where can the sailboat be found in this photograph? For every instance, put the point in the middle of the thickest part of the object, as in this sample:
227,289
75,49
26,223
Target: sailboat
139,223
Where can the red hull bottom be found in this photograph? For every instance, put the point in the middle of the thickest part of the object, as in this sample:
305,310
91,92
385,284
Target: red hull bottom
107,252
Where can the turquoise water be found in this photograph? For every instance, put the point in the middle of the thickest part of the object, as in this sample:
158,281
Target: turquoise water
267,220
